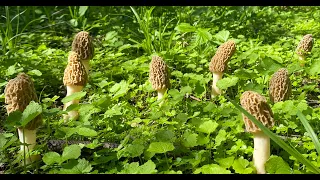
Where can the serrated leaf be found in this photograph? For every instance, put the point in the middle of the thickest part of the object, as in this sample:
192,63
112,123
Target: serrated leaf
222,35
240,166
83,131
31,111
51,158
160,147
71,152
225,162
227,82
74,96
276,165
212,169
190,139
208,127
134,168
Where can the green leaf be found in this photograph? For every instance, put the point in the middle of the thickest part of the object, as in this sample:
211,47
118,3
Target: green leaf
310,131
223,35
276,165
51,158
3,140
160,147
225,162
165,136
314,68
73,22
35,72
240,166
134,150
212,169
204,34
220,137
208,127
71,152
74,96
185,27
82,10
134,168
227,82
31,111
190,139
120,89
83,131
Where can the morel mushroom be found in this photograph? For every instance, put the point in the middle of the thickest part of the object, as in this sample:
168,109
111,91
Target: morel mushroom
219,63
19,92
75,78
280,86
83,45
304,47
257,106
159,75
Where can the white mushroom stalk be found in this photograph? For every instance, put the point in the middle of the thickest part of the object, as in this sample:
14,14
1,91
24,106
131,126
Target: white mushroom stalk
257,106
75,78
159,76
19,92
219,63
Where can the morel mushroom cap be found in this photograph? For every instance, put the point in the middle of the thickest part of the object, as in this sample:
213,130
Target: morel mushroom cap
220,59
305,45
19,92
257,106
82,44
75,72
280,86
159,73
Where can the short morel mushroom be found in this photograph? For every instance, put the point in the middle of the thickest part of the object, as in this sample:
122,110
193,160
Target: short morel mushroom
280,86
257,106
304,46
83,45
219,63
19,92
75,78
159,76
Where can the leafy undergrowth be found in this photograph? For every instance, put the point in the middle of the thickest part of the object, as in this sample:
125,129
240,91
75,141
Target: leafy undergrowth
191,133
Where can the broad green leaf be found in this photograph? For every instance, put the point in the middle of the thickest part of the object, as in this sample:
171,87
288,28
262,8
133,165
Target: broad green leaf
31,111
190,139
227,82
83,131
160,147
82,10
222,35
73,22
133,150
74,96
185,27
134,168
35,72
212,169
225,162
165,136
3,140
204,34
220,137
314,68
240,166
51,158
71,152
208,127
276,165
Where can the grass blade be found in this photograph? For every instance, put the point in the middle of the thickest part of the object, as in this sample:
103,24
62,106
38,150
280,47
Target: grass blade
309,129
277,140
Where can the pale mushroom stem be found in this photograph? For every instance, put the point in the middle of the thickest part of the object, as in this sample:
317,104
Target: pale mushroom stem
85,63
216,76
161,94
301,60
27,136
70,90
261,152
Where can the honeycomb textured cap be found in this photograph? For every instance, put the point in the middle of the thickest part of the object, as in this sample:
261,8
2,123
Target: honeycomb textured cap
280,86
220,59
257,106
19,92
305,45
159,74
83,45
75,73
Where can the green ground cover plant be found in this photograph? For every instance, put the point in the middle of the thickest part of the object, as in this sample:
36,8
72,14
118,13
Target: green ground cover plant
122,125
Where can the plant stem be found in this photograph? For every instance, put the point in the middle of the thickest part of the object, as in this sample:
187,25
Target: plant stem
261,152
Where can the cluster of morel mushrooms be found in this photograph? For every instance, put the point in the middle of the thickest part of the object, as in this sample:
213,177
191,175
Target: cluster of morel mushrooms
20,91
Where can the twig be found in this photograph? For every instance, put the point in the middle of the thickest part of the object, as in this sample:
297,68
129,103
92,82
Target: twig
192,97
58,145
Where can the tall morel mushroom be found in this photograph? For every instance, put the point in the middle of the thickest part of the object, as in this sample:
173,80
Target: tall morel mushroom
304,46
19,92
159,76
219,63
75,78
280,86
83,45
257,106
